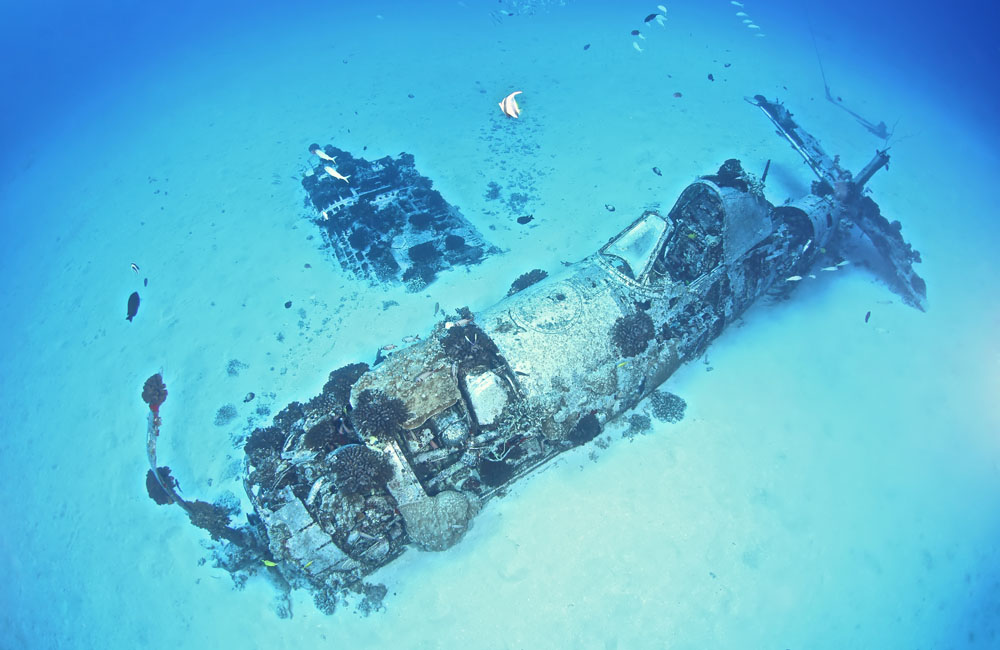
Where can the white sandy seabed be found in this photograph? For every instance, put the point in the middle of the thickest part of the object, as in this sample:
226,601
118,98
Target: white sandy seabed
834,484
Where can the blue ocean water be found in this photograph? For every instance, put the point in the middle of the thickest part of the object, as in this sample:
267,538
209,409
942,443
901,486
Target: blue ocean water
835,483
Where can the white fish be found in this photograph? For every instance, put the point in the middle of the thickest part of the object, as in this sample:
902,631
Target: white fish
829,268
333,172
752,26
794,278
459,323
742,14
758,35
660,20
661,8
736,4
642,37
322,154
636,46
812,276
509,105
806,247
843,263
747,21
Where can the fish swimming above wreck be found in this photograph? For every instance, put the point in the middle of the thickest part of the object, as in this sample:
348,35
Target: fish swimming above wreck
404,454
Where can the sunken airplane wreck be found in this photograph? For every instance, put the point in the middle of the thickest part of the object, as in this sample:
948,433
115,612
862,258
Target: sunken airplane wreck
405,453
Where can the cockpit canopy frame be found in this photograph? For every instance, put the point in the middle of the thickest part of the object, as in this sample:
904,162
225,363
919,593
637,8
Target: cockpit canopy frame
633,251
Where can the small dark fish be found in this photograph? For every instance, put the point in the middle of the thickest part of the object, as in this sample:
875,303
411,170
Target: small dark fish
135,267
525,219
678,95
867,316
649,18
133,306
609,207
587,46
145,282
711,77
656,170
726,65
288,304
635,32
249,398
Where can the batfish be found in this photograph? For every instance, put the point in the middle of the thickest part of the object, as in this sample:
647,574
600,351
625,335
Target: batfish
133,306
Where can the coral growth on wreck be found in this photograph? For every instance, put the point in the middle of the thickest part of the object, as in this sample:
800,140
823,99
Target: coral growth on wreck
632,333
525,280
360,469
154,392
379,415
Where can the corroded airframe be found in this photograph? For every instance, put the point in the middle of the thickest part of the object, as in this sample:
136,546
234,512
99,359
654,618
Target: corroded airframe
491,396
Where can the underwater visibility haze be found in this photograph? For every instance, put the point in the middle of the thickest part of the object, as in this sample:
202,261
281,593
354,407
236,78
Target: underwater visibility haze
500,324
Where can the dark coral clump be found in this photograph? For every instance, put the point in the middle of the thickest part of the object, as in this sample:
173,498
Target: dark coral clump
632,333
289,415
154,391
421,220
470,346
588,428
667,406
730,174
155,490
419,276
336,393
325,600
263,443
383,263
360,469
322,403
638,424
214,519
226,414
360,238
525,280
374,594
338,385
329,434
425,254
378,414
